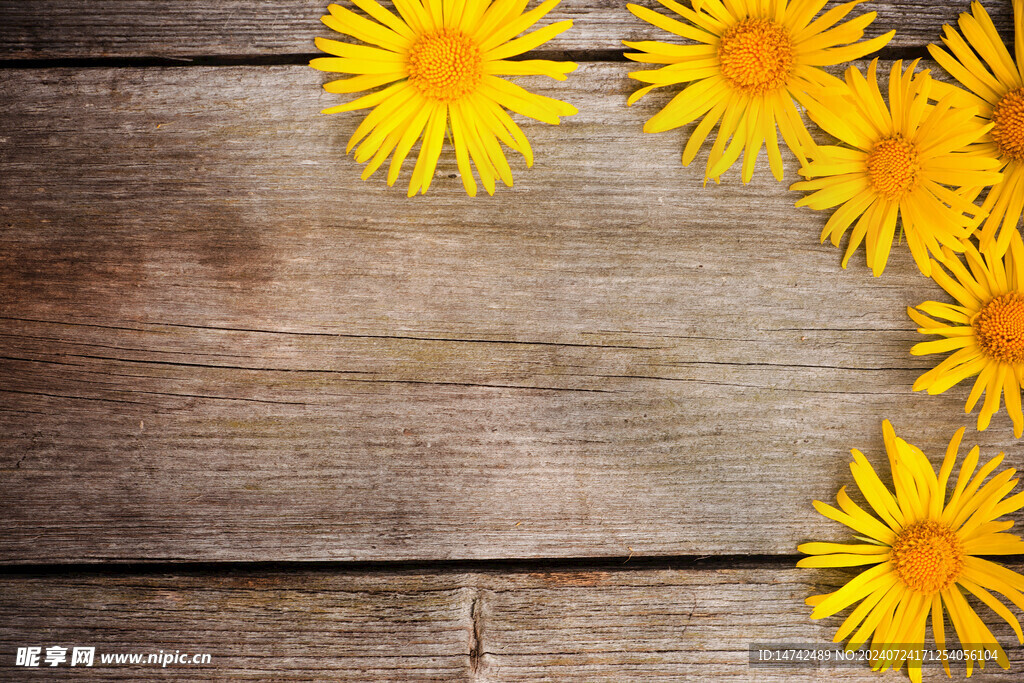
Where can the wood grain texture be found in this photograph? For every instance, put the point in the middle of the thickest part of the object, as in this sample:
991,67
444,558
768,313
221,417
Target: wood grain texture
585,625
216,343
35,29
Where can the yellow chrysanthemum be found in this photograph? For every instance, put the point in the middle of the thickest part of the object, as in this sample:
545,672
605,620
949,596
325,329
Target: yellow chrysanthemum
997,91
440,61
750,59
900,163
924,548
984,329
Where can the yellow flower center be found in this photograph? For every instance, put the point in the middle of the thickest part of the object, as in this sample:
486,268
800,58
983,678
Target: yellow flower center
1008,117
445,65
928,556
893,167
999,327
756,56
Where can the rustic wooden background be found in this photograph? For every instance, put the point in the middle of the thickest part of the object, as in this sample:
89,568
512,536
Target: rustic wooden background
253,406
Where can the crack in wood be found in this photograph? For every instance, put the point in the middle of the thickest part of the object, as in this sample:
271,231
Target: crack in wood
155,393
476,661
338,335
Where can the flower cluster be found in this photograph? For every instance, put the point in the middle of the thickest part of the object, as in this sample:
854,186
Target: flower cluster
907,161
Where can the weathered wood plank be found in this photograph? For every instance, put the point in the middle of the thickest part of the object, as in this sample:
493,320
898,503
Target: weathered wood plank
607,625
217,343
36,29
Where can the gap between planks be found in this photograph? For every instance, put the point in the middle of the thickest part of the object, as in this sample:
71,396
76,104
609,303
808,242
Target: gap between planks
627,563
302,59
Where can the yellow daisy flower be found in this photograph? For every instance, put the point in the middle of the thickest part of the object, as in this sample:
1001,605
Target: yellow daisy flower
899,164
440,61
997,91
924,548
749,61
984,329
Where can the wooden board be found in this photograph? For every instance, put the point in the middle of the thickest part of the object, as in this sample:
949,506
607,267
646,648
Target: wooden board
35,29
221,351
218,344
607,624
